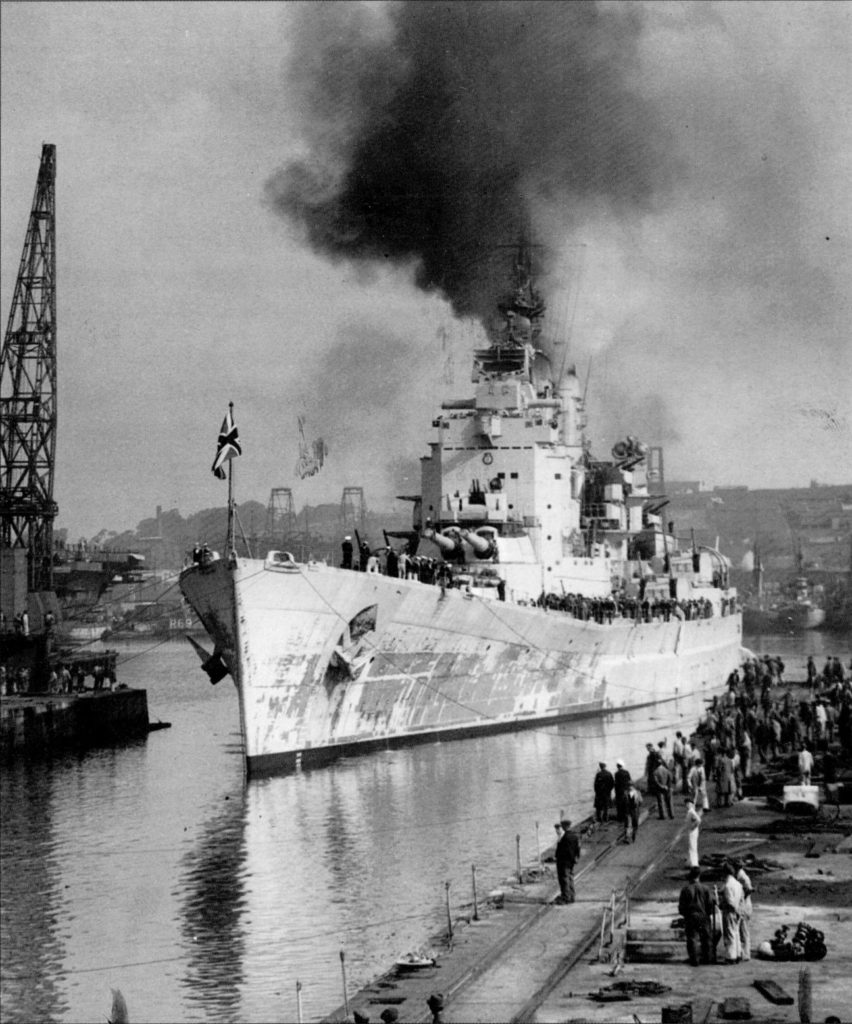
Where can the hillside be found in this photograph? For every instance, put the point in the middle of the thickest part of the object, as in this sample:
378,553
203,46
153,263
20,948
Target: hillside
807,526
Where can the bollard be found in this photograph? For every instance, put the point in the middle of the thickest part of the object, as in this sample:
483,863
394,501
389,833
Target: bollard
475,906
518,858
449,915
345,995
299,1001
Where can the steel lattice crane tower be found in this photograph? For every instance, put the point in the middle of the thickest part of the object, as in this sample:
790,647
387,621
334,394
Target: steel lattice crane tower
353,510
28,391
280,516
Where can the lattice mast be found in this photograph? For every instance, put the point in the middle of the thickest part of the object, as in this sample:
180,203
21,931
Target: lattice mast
28,390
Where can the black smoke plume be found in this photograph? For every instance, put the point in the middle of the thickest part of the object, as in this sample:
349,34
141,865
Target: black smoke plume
437,131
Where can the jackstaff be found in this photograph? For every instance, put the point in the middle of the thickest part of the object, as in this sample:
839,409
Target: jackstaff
228,445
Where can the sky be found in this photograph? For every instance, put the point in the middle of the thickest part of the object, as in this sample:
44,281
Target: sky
298,208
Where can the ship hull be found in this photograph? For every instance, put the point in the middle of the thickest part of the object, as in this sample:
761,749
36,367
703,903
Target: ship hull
330,662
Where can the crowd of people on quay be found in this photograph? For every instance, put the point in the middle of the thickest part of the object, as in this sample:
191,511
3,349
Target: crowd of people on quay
757,721
59,679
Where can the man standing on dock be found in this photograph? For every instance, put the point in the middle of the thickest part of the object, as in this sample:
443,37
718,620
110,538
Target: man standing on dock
604,784
745,909
633,802
698,784
652,759
677,756
567,855
622,783
663,781
806,765
731,901
693,824
695,906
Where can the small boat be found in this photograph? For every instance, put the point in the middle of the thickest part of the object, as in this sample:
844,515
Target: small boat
415,961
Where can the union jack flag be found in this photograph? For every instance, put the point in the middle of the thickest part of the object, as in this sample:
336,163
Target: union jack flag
228,445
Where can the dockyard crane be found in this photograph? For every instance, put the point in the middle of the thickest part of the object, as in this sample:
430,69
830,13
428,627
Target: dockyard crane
280,517
353,510
28,392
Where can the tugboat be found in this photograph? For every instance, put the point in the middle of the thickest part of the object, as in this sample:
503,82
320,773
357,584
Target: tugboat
537,584
798,610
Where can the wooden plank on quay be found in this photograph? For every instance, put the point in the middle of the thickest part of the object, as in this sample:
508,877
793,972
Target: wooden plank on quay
773,992
735,1008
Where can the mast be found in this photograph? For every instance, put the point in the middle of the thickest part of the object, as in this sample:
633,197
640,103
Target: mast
757,575
230,543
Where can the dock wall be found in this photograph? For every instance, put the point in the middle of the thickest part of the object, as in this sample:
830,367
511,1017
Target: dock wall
40,725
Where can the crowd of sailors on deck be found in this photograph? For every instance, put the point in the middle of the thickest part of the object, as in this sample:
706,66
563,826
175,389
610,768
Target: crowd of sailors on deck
399,564
619,606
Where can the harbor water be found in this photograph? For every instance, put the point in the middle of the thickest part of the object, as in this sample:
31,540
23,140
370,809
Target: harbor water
155,868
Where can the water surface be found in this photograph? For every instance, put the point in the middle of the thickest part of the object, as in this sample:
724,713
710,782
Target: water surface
154,868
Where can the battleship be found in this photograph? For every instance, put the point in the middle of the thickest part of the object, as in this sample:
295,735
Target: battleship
538,584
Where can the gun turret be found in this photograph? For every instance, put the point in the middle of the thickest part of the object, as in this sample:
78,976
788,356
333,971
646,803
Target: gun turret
482,546
450,546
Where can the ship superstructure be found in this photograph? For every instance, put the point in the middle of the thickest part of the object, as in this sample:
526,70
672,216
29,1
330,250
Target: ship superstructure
537,584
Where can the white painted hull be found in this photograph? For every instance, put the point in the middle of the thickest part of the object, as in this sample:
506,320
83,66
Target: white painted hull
438,664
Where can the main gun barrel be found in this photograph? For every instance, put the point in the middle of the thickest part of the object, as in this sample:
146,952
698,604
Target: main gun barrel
448,545
482,546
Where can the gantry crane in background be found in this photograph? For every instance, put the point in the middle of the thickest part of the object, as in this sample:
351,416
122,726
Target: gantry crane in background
280,518
353,510
28,393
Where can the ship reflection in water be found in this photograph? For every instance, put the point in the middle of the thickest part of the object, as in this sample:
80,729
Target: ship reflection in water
155,870
214,903
354,857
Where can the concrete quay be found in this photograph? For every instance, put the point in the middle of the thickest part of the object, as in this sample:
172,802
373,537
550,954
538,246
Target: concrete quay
39,725
529,959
